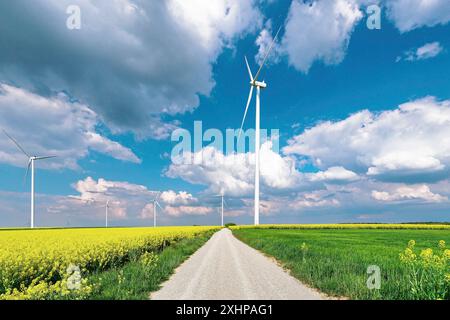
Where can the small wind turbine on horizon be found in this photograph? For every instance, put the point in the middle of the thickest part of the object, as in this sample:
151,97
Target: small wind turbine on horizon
254,83
106,205
155,203
31,160
222,209
222,196
106,213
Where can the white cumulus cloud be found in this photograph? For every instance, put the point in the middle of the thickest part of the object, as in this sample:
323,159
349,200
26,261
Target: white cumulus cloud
181,198
234,173
408,144
335,174
408,15
419,192
52,126
319,31
127,200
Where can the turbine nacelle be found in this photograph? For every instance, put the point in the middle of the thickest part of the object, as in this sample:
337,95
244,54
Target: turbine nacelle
258,84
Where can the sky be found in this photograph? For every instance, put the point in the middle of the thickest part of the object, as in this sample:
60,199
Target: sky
362,107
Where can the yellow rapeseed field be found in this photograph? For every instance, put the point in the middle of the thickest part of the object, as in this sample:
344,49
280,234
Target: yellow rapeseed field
37,264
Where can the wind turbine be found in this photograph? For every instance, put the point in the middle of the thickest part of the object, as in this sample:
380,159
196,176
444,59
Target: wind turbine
155,203
254,83
106,213
31,160
222,209
106,204
223,202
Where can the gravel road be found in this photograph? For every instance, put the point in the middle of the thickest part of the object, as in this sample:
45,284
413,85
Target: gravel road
227,269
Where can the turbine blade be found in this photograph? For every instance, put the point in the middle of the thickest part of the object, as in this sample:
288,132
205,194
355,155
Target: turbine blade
158,194
44,158
267,54
157,203
245,113
16,143
26,174
248,68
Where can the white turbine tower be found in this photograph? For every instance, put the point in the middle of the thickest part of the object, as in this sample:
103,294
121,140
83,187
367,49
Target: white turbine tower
254,83
31,160
106,213
155,203
223,202
222,210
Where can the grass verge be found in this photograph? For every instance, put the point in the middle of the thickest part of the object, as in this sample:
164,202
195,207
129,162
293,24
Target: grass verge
336,261
135,280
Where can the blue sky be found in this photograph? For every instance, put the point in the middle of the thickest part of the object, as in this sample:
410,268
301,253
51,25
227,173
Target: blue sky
364,115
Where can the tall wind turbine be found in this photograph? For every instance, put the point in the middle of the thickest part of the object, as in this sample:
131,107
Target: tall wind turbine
254,83
155,203
31,161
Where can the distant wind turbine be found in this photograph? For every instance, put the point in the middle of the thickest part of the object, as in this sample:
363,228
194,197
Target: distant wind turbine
222,210
155,203
31,160
106,205
106,213
223,202
254,83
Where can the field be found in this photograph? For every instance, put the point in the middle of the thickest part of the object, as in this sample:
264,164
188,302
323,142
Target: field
62,263
128,263
391,226
335,259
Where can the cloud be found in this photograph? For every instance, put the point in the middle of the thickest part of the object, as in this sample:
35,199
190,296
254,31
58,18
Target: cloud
427,51
319,31
133,62
233,174
148,211
408,15
102,189
335,203
335,175
181,198
128,199
177,204
122,196
420,192
218,171
313,200
53,125
264,41
409,144
188,210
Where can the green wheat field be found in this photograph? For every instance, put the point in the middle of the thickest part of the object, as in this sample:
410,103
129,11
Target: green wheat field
335,261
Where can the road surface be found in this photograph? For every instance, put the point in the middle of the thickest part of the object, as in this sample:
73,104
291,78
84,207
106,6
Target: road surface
227,269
